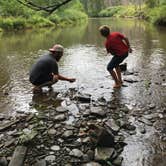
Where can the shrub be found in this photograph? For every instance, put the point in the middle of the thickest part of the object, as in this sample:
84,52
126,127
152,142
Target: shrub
39,21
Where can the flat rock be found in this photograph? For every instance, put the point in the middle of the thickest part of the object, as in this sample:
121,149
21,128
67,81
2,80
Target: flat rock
61,109
60,117
97,111
76,153
55,148
50,158
52,131
68,134
41,163
103,153
112,125
91,164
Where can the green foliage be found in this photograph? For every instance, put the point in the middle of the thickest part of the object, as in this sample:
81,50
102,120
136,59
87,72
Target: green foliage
39,21
13,15
118,11
109,12
157,15
12,23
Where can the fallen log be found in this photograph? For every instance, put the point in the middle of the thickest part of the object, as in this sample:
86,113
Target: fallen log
18,156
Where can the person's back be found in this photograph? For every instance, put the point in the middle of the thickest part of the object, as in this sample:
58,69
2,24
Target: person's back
115,44
42,70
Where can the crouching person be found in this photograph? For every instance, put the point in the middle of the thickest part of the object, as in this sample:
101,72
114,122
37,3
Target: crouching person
45,71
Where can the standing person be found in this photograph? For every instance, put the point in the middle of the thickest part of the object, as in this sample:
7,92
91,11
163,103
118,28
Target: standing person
45,71
118,45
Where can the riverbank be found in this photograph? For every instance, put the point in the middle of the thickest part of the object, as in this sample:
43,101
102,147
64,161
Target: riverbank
156,15
29,19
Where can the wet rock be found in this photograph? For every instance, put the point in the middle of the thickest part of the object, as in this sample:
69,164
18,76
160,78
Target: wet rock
142,129
55,148
130,80
41,163
50,158
118,161
151,116
3,161
123,66
76,153
145,121
112,125
67,134
100,136
61,109
86,113
98,111
52,131
103,153
83,98
151,106
91,164
90,154
60,117
128,126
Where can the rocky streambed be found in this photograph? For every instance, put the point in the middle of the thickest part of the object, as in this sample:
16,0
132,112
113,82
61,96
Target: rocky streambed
74,128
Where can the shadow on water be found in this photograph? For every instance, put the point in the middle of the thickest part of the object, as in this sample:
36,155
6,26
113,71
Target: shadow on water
85,59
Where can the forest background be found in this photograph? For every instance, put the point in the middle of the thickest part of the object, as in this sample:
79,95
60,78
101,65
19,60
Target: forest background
20,14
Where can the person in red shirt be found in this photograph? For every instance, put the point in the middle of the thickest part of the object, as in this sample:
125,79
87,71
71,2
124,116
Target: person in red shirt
118,45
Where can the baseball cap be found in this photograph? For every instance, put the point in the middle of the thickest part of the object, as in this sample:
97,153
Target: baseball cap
57,48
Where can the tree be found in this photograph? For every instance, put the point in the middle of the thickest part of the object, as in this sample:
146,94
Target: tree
48,6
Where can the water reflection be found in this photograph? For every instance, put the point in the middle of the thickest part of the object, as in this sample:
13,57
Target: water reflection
85,59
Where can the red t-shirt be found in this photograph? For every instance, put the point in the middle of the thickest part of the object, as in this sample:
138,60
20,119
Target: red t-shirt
115,45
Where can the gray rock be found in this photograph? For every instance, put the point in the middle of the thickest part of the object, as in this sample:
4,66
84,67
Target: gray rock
52,131
61,109
118,161
55,148
67,134
3,161
50,158
60,117
41,163
112,125
76,153
103,153
91,164
97,111
83,98
100,136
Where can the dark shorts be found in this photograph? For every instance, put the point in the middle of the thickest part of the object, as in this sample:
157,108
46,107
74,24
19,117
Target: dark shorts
115,61
41,80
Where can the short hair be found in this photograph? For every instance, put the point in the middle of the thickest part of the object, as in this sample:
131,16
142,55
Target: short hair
104,30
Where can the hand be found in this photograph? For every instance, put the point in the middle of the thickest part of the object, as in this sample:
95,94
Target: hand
55,78
130,50
72,80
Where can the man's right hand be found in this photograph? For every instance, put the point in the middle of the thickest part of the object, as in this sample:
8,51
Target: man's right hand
72,80
130,50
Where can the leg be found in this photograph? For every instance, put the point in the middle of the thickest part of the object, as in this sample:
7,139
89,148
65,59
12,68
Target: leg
114,76
118,72
111,65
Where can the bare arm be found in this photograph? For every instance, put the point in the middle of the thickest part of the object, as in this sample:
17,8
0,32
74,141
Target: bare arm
126,41
60,77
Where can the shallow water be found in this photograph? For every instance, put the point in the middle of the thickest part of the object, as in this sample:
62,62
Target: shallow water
85,58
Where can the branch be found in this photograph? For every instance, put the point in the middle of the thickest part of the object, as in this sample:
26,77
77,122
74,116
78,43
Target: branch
50,9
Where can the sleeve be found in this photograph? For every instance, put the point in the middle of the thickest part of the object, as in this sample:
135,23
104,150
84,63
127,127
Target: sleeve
55,68
121,35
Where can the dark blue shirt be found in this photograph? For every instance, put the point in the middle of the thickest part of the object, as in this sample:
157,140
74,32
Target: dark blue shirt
41,71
